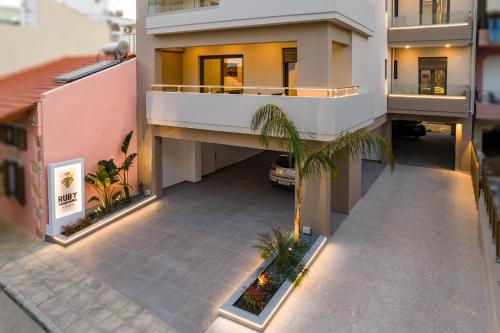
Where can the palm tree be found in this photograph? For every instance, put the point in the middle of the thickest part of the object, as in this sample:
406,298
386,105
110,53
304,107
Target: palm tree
312,162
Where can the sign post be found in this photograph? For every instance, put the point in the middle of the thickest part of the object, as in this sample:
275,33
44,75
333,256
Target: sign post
66,194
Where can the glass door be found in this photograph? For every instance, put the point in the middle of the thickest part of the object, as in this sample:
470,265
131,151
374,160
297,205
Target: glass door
290,66
432,76
434,12
224,74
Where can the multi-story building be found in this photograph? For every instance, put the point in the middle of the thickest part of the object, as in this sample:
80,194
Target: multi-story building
487,124
205,67
432,56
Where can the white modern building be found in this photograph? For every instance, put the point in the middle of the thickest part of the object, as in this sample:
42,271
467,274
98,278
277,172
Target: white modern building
205,66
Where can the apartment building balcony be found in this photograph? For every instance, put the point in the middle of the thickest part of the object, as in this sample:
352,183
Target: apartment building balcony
452,101
173,16
320,114
454,28
488,106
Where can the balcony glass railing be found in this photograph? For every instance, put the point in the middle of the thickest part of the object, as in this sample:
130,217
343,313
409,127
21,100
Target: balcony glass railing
494,29
157,7
418,20
266,91
415,89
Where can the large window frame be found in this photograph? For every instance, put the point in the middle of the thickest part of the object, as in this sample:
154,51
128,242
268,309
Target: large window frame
426,63
221,58
434,9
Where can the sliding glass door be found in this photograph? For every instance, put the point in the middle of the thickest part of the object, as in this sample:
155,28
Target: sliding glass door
434,12
223,73
432,76
290,66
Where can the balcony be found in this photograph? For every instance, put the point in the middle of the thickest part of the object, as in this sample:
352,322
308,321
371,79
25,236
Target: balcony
488,106
454,28
159,7
173,16
410,99
320,114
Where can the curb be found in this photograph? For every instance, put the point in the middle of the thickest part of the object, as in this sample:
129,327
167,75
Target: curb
32,311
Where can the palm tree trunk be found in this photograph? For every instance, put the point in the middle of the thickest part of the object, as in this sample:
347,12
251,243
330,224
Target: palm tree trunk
298,202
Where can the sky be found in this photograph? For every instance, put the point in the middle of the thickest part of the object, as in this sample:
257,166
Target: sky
128,6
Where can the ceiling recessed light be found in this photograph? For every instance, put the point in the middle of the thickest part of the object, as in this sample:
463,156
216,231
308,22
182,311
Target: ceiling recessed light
407,46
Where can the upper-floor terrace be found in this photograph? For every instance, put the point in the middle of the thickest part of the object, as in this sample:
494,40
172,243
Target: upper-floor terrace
175,16
430,22
431,81
219,88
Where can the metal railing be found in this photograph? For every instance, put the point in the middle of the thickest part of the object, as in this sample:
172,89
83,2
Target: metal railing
266,91
157,7
490,182
416,89
453,17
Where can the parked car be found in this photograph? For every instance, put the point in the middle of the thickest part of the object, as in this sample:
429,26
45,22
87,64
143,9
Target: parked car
408,128
282,172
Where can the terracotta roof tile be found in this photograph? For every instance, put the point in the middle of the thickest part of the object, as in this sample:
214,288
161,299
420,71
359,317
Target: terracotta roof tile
21,91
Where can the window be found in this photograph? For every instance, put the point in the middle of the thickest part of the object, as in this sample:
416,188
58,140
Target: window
395,70
290,66
434,11
14,183
14,136
432,76
224,73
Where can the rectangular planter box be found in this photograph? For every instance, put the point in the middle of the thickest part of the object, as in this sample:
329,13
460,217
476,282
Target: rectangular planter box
66,241
258,323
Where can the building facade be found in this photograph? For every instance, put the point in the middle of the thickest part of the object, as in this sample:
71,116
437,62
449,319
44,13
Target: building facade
204,68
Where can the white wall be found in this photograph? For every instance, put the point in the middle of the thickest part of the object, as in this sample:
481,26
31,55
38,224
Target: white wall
181,161
215,156
244,13
491,74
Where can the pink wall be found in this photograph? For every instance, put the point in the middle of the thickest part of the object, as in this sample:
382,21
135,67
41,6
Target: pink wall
90,117
10,210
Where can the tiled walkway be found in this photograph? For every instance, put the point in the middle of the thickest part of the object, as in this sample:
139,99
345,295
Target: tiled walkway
407,259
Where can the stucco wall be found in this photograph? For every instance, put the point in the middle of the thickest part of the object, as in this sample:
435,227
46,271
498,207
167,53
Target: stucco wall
10,210
59,31
459,59
491,74
90,117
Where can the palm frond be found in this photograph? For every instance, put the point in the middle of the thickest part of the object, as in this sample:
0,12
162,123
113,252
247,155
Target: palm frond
359,142
126,142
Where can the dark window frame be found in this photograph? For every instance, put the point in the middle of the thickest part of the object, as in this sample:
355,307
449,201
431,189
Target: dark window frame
221,58
436,59
434,5
286,78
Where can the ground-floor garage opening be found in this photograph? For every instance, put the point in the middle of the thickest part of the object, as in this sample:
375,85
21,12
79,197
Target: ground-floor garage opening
424,143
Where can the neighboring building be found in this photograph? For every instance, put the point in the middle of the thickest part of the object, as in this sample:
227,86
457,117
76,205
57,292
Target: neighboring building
44,122
432,55
206,66
487,125
42,30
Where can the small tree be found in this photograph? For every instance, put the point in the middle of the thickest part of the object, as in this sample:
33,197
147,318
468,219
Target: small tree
128,161
311,162
104,182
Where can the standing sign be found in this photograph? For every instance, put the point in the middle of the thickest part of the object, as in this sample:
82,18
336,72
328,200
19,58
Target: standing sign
66,194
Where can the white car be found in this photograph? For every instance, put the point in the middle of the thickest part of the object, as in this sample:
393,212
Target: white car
282,172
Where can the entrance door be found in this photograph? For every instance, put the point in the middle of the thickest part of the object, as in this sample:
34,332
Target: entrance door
290,71
223,73
432,76
434,12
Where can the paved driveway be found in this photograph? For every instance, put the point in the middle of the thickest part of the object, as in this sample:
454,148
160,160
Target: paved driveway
182,256
406,260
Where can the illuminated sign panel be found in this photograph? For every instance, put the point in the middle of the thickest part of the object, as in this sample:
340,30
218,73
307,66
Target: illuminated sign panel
66,194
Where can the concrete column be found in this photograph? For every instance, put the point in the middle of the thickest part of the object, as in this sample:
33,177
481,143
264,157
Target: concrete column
157,172
346,188
314,54
195,171
463,142
315,209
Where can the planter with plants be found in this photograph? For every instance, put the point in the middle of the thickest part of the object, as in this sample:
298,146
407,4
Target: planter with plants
287,256
110,184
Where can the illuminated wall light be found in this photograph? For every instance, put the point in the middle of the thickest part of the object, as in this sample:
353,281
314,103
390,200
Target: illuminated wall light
448,45
407,46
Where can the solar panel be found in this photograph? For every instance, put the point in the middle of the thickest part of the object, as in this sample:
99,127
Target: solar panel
85,71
